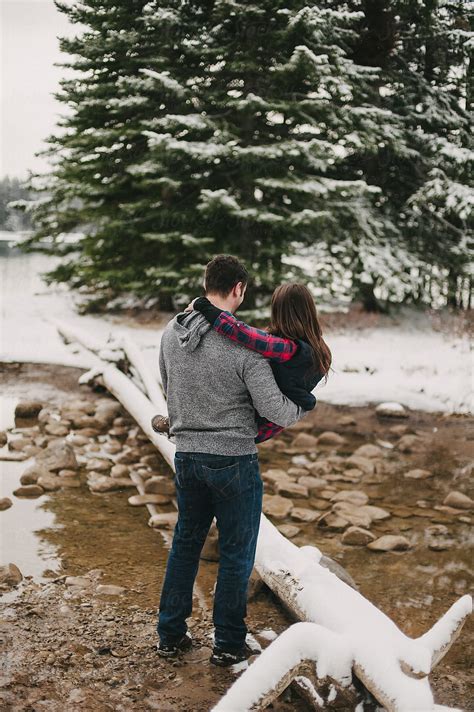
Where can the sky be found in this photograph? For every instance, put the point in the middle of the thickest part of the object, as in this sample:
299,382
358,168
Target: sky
28,48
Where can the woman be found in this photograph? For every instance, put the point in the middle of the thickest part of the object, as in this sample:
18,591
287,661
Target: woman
293,343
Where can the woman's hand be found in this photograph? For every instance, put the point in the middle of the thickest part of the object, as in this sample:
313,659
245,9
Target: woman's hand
190,306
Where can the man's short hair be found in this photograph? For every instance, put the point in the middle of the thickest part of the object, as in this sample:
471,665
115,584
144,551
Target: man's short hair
223,272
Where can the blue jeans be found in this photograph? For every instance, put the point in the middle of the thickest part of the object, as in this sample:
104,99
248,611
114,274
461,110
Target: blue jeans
231,489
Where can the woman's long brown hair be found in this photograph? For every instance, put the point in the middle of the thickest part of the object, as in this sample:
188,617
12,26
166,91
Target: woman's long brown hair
294,316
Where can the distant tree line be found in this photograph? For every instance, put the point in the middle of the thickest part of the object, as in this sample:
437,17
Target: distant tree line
336,132
12,189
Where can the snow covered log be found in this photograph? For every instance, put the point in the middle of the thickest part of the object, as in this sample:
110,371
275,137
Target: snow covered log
392,666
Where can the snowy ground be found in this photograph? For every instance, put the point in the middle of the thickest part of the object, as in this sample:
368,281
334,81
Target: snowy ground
416,365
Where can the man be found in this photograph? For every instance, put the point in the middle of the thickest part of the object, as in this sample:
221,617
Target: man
213,388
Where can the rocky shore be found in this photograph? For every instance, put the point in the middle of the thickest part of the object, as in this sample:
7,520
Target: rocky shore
384,493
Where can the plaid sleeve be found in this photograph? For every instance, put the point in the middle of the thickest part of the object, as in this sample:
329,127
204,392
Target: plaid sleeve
269,346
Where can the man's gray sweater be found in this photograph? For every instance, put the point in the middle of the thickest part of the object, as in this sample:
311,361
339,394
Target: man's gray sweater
214,386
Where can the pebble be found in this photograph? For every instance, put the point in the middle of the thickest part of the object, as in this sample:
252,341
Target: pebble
355,536
28,491
49,484
273,476
31,475
352,514
10,576
160,485
364,464
59,455
312,483
458,500
108,484
391,409
297,471
276,506
301,461
390,542
5,503
305,442
418,474
3,438
303,514
409,443
28,409
369,451
120,471
99,464
55,428
289,530
138,500
110,590
331,439
163,521
18,444
292,489
334,522
357,497
347,420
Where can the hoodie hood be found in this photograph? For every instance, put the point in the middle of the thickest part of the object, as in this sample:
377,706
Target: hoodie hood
190,327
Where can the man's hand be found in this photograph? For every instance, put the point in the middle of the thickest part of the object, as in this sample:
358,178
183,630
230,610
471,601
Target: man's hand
190,306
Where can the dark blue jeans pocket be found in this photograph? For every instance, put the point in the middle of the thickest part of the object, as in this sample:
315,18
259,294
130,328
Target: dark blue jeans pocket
225,481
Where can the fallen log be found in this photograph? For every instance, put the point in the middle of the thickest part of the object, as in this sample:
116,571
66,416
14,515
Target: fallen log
392,666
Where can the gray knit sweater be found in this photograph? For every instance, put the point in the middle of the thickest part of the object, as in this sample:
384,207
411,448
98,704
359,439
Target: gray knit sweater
214,386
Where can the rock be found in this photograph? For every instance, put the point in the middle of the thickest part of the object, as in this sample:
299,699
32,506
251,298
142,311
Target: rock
364,464
328,438
163,521
28,409
305,442
352,514
138,500
390,542
8,456
321,467
399,430
276,506
418,474
109,590
303,514
160,485
31,475
299,460
255,585
291,489
441,544
49,484
18,444
78,581
28,491
312,483
337,570
120,471
99,464
289,530
55,428
128,456
356,497
59,455
108,484
67,473
375,513
3,438
10,576
274,476
458,500
391,410
355,536
334,522
346,420
151,461
297,471
409,443
320,504
369,450
5,503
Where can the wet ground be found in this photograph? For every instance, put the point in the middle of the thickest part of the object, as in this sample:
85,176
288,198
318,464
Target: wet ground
69,648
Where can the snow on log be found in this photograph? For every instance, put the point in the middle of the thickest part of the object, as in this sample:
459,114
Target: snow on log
285,659
392,666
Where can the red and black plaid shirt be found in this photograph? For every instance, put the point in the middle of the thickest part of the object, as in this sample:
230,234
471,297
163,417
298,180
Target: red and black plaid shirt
272,347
